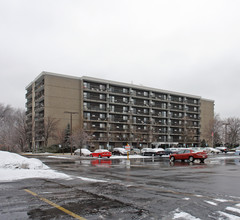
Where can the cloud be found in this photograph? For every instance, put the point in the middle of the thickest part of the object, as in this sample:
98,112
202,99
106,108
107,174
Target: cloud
185,46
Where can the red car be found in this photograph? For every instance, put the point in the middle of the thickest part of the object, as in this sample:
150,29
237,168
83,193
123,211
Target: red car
101,153
188,154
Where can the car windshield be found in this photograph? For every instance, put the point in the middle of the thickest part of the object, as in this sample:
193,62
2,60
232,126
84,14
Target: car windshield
100,151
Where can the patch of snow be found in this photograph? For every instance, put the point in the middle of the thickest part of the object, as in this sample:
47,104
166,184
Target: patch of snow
224,157
59,157
211,203
130,157
229,216
198,195
186,198
221,200
232,209
91,180
184,215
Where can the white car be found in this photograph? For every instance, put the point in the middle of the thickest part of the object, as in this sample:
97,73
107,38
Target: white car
212,150
84,152
222,149
153,151
119,151
237,151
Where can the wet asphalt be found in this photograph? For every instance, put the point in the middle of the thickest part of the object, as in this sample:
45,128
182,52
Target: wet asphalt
147,188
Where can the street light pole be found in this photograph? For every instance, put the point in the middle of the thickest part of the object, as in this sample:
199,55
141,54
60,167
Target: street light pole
71,113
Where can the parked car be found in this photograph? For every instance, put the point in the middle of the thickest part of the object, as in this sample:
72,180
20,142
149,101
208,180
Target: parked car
189,154
222,149
101,153
237,151
171,150
212,150
119,151
153,151
135,151
84,152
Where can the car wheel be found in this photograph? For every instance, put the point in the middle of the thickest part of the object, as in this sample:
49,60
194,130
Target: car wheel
191,159
99,156
202,160
172,159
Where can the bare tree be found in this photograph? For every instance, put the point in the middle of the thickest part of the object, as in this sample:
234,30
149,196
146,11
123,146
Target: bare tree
217,130
233,131
21,129
188,132
60,137
50,129
81,138
12,129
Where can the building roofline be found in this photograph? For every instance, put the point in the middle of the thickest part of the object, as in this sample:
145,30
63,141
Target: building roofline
139,87
208,100
43,73
115,83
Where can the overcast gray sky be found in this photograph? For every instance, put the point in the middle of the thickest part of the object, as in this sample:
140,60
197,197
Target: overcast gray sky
180,45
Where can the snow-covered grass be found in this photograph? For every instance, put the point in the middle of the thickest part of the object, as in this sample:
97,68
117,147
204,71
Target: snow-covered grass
14,167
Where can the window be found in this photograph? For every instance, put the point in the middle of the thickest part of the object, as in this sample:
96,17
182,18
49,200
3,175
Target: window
102,87
86,85
125,118
125,100
125,127
102,106
145,93
112,108
102,116
85,105
125,108
102,125
111,98
101,96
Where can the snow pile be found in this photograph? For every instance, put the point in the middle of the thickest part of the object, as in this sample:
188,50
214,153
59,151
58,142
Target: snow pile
15,161
15,167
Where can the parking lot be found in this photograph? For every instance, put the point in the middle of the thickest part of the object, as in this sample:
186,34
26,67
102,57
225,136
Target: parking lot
147,188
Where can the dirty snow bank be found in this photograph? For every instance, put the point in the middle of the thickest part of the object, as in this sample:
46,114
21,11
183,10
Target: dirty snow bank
15,167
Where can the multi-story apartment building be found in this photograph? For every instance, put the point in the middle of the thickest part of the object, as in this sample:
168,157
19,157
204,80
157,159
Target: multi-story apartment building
116,113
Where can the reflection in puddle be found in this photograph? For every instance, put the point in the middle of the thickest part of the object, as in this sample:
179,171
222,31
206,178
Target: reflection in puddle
101,163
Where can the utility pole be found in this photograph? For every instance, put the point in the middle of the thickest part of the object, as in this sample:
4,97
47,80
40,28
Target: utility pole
71,113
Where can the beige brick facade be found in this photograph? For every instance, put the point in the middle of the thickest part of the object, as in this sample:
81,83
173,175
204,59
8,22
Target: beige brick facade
116,113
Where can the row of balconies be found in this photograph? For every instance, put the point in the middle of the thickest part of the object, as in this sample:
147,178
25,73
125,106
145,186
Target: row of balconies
150,113
146,94
144,102
152,118
178,123
28,94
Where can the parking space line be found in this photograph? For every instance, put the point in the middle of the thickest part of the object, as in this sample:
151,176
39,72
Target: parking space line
55,205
